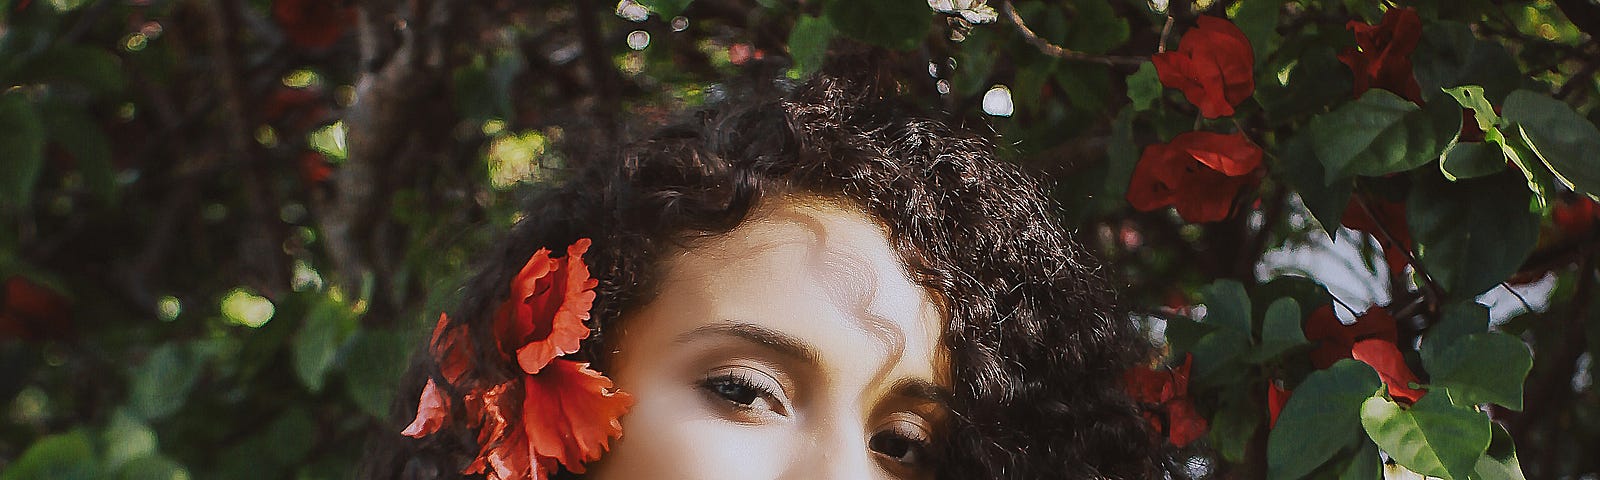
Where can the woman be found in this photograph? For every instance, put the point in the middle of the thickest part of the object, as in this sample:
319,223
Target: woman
815,287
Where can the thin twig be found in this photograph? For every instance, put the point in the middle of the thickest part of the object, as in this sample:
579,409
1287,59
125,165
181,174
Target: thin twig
1433,287
1062,52
1341,303
1166,30
1517,294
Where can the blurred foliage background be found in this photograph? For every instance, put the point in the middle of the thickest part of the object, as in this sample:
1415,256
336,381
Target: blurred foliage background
226,224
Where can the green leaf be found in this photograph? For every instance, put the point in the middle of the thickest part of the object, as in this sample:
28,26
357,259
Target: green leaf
1326,199
162,383
1322,418
808,42
1472,160
95,69
1481,368
21,150
1471,97
81,137
65,456
374,364
1235,424
1381,133
127,438
1432,437
315,347
1095,27
153,468
483,88
1457,320
1499,462
1259,21
1218,358
1280,331
1367,464
666,8
1564,140
1122,156
1449,55
1474,233
1183,334
893,24
1144,87
1227,306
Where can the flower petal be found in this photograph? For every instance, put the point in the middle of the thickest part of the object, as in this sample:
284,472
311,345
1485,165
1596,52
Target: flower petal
1385,357
432,409
556,310
1185,425
570,413
1277,397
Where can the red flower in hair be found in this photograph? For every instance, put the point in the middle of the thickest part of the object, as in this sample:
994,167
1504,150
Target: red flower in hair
1164,393
1213,66
1199,173
1382,56
559,412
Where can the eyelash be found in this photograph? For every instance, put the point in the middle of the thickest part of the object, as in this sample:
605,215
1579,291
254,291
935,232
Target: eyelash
913,450
720,385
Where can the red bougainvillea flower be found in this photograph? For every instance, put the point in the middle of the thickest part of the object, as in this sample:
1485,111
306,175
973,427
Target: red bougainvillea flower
1213,66
559,413
32,311
1387,223
1382,56
314,168
1335,339
1277,397
1199,173
313,23
1164,395
1384,357
1576,218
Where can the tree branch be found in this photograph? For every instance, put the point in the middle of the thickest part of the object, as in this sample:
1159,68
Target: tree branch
1059,51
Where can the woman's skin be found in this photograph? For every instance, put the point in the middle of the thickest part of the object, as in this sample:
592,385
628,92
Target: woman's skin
794,347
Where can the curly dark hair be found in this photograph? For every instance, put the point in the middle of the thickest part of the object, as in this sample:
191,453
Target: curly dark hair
1037,343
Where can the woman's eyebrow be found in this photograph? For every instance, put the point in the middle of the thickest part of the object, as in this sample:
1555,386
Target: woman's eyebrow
920,389
775,340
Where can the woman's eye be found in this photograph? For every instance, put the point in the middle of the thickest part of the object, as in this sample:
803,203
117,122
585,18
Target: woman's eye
898,447
735,392
745,392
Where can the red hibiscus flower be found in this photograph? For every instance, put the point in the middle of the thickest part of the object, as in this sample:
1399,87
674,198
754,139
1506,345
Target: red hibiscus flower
1387,223
1336,339
1382,56
313,23
550,300
1383,356
559,413
1277,397
1214,66
1164,395
1199,173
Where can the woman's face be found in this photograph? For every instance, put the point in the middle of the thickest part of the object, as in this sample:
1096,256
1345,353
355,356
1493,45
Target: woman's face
795,346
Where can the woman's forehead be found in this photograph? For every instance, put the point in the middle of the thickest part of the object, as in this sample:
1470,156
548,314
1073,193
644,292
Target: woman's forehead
821,271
